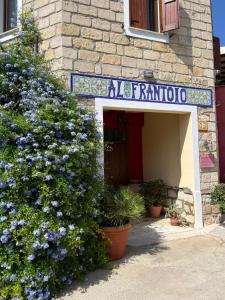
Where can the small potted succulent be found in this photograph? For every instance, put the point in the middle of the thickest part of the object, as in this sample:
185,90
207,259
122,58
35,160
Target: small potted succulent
118,208
174,213
155,195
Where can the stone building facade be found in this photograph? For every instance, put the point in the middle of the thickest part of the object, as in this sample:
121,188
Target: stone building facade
91,37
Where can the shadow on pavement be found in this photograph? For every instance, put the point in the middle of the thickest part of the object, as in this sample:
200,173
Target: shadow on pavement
132,253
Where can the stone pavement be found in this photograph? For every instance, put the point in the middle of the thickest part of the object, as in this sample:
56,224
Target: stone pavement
171,267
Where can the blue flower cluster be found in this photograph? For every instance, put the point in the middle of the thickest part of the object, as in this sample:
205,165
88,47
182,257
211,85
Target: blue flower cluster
48,167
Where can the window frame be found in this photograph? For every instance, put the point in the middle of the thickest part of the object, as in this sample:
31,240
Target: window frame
7,35
141,33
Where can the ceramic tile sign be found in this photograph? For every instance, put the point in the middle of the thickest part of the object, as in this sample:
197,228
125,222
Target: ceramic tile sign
140,91
203,125
207,161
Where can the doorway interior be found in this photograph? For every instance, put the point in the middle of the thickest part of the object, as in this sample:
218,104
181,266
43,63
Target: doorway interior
143,146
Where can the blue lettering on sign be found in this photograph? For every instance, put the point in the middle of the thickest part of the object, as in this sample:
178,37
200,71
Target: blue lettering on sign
105,87
145,91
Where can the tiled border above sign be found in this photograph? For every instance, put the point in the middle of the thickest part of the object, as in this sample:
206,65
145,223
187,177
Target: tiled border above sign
120,89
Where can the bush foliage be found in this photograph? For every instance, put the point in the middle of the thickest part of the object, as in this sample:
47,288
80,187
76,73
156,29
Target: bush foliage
119,207
218,196
48,183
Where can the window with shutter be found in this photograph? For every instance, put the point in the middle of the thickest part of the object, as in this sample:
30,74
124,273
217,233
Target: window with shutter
154,15
8,15
170,15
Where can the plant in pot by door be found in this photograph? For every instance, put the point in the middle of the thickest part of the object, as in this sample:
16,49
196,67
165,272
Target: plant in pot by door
174,213
118,208
155,195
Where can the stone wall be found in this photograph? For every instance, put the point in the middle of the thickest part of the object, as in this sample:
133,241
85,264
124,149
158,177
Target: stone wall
183,199
87,36
91,39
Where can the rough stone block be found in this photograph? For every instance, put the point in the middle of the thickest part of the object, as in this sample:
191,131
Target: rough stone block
80,43
91,33
111,70
133,52
88,55
81,20
106,47
111,59
172,193
70,29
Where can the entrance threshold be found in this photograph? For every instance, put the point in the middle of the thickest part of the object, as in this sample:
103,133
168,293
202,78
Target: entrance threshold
152,232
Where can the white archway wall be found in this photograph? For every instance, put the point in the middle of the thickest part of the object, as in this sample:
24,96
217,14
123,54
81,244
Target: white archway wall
161,147
187,118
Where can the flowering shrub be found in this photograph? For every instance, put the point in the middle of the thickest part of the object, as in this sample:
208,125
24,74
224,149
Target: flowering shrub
48,183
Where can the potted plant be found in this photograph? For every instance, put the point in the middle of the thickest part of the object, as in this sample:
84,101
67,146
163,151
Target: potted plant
174,214
118,208
155,195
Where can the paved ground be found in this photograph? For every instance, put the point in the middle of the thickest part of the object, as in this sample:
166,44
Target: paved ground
191,268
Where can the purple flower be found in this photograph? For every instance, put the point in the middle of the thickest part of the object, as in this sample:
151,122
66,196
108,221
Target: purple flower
45,246
62,230
4,239
59,214
37,232
63,278
48,178
46,209
64,251
55,203
50,236
37,202
2,219
25,178
83,137
4,54
8,166
71,227
65,157
20,160
6,266
55,256
36,245
21,223
9,205
48,163
31,257
13,212
3,185
46,278
12,278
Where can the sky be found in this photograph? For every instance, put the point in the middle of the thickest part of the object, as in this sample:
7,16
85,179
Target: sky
218,9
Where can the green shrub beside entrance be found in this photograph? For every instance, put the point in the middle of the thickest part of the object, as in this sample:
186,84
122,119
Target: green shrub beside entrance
48,185
218,196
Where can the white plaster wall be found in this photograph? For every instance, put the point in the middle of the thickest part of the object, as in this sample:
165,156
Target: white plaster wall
161,148
186,152
168,149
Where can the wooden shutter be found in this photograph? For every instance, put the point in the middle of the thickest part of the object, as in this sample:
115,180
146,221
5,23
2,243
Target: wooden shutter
170,17
138,14
216,52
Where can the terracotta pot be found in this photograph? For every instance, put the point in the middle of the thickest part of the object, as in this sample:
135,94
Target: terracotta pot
173,221
117,240
155,211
